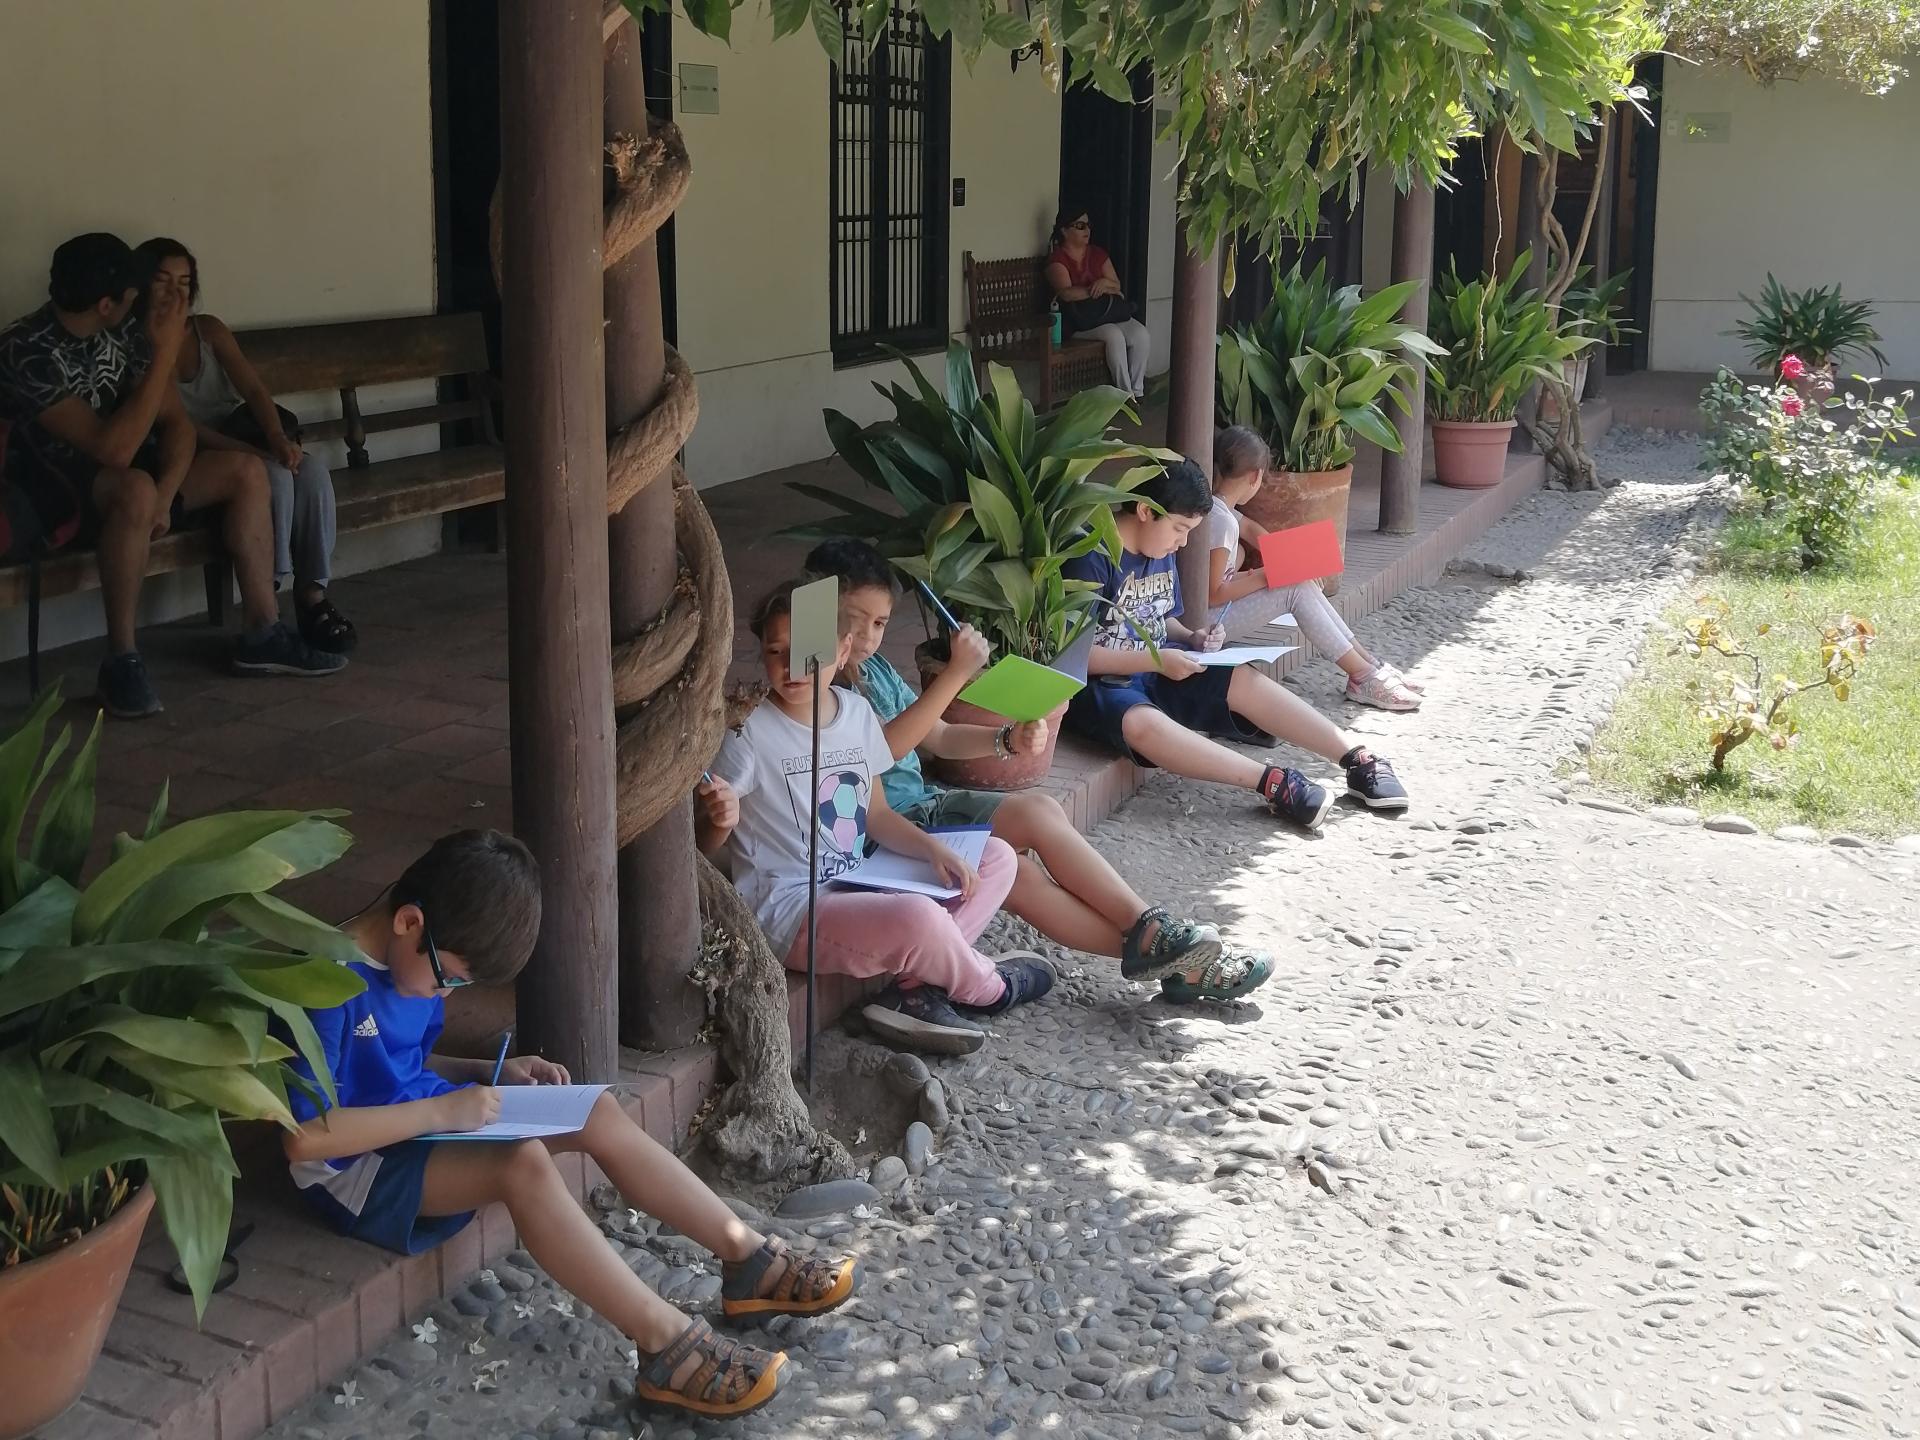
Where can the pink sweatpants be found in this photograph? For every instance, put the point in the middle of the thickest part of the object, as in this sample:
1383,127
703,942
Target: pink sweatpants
924,942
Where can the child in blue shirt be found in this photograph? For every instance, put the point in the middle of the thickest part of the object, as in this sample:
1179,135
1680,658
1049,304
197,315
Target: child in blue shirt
1069,893
1164,711
468,912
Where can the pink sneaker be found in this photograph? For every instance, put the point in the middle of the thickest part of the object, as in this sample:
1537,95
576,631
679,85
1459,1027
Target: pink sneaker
1382,691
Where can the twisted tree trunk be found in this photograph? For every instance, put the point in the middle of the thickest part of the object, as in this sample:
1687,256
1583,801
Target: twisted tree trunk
1565,445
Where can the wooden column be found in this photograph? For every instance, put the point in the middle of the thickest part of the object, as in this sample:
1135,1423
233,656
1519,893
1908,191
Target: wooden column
1527,237
659,904
558,644
1412,260
1196,323
1602,241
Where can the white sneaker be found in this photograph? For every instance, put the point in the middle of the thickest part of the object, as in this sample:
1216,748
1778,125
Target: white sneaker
1383,691
1394,672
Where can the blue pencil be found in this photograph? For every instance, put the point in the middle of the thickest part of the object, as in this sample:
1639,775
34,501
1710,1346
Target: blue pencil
500,1064
945,614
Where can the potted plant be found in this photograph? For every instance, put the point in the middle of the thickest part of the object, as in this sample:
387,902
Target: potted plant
128,1033
1589,308
1499,341
987,505
1311,375
1817,325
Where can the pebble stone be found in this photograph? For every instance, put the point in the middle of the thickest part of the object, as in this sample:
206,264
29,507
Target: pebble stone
1677,815
831,1197
1615,1115
1731,825
1798,834
917,1147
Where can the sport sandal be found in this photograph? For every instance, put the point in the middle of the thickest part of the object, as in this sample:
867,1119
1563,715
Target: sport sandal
1234,974
730,1379
805,1287
1177,947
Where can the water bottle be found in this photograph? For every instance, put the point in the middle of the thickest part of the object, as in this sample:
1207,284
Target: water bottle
1053,322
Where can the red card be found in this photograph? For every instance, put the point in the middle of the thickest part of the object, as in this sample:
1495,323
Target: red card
1306,552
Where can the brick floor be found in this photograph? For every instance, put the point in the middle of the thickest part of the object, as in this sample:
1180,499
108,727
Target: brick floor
412,739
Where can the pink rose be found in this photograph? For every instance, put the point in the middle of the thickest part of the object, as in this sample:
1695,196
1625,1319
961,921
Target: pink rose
1790,405
1792,368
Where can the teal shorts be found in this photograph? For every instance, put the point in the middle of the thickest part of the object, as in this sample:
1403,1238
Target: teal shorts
950,809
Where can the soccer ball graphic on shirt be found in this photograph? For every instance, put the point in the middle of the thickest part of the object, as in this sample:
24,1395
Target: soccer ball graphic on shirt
840,806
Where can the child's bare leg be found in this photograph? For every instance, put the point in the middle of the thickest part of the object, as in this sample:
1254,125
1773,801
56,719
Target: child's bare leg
1036,822
1062,917
1154,736
652,1178
1282,714
553,1227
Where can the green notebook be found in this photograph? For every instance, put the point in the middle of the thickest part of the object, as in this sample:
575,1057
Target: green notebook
1021,690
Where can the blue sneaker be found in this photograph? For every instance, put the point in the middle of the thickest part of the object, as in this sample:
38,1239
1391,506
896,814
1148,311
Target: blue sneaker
126,690
1028,977
1292,796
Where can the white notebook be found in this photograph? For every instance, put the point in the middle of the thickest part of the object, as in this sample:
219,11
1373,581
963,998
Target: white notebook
1287,621
528,1112
886,870
1239,654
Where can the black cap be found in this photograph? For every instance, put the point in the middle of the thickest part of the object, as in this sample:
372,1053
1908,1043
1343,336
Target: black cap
90,268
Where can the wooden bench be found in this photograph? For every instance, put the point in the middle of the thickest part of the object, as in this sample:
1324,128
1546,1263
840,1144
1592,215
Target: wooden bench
1009,319
369,493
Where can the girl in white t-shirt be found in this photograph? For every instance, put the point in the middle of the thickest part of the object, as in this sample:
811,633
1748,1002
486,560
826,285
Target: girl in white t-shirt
760,796
1240,600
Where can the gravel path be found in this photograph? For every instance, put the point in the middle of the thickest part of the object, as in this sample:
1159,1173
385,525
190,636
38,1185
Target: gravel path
1553,1121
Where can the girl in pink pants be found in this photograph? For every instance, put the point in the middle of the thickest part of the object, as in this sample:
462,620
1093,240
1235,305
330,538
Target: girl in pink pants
763,796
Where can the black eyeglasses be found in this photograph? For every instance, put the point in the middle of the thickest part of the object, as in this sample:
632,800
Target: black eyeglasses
441,979
1079,225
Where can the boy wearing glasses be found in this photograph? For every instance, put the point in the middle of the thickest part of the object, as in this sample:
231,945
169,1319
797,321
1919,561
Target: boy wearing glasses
468,912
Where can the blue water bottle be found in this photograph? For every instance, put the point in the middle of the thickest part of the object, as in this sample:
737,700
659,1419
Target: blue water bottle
1053,322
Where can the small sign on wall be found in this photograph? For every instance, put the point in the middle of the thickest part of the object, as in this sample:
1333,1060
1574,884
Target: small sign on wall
1714,127
699,89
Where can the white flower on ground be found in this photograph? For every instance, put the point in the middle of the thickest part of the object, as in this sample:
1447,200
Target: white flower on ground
426,1332
487,1377
349,1395
477,1347
523,1310
562,1306
487,1277
633,1219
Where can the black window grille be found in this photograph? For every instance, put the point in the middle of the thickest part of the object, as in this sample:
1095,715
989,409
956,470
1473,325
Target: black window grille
888,276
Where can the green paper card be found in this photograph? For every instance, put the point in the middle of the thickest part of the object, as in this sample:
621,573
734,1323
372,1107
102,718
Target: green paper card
1021,690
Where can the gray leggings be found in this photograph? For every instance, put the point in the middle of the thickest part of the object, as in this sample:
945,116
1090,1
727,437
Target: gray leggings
303,521
1128,347
1319,622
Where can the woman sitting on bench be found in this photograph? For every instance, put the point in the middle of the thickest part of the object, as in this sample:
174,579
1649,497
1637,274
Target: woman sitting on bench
231,409
1084,283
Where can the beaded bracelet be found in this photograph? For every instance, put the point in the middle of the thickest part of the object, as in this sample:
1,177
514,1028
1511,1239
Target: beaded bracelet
1003,743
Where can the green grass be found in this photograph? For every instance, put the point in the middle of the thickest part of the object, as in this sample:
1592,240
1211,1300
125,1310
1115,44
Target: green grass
1856,765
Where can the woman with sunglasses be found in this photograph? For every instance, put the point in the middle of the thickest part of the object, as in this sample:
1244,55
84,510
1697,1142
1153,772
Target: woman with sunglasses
1092,303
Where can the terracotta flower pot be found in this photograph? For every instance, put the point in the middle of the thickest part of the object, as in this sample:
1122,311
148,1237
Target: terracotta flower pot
1471,454
1022,772
1299,497
54,1314
1575,369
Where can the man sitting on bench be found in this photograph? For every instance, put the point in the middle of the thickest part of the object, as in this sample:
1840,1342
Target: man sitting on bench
101,447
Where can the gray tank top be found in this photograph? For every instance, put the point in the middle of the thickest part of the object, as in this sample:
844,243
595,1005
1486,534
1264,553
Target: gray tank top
209,397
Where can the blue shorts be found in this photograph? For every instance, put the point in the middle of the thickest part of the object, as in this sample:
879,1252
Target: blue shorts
389,1214
1199,702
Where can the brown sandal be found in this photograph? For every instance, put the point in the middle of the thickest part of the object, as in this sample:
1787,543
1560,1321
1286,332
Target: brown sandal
806,1287
731,1379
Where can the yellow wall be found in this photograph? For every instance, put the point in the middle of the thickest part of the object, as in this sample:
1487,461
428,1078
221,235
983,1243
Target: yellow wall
751,240
288,145
1814,183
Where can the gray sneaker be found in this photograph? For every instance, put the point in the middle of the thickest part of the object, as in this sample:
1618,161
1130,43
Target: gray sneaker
126,690
921,1019
282,652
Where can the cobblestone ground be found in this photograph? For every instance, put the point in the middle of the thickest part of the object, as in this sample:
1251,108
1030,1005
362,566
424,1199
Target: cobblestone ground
1553,1121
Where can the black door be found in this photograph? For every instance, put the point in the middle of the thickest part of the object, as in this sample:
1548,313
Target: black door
1106,168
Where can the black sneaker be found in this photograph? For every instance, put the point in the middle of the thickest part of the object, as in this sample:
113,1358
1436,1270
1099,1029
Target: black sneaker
1028,977
1292,796
282,652
125,689
1371,781
921,1019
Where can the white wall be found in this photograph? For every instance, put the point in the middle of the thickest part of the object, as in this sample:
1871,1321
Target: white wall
1813,182
751,237
288,145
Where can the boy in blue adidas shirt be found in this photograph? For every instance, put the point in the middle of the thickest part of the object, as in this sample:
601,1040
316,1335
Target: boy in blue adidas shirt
467,912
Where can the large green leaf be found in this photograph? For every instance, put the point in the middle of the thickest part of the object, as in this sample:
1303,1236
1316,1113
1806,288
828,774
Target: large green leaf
20,775
1085,417
26,1124
310,984
191,1042
43,917
196,1202
273,919
231,1089
181,1129
46,973
209,837
64,833
287,854
995,515
299,1026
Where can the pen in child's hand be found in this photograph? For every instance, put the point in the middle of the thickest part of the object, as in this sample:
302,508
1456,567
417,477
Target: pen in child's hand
500,1064
945,614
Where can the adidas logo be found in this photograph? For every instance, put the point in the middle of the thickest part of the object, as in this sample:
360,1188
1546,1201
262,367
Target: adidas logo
368,1028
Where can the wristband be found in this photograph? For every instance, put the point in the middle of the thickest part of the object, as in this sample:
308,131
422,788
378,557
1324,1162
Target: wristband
1003,743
